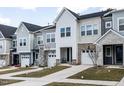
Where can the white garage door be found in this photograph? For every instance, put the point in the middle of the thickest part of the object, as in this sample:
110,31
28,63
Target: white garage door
25,60
85,58
51,59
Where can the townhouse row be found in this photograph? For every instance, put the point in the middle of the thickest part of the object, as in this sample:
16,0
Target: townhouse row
95,38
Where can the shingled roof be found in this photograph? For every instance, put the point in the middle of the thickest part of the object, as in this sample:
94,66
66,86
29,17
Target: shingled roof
32,27
85,16
7,31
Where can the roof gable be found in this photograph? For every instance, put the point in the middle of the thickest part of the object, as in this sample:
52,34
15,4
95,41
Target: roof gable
7,31
69,11
32,27
111,30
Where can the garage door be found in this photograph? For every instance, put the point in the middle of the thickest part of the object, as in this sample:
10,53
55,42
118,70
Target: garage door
51,59
85,57
25,60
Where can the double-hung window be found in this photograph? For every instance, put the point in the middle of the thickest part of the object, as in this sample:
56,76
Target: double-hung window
95,29
24,42
39,40
52,37
48,38
14,43
20,42
89,29
62,31
82,30
121,24
68,31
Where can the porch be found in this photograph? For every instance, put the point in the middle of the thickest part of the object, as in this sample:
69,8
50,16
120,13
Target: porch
113,54
66,55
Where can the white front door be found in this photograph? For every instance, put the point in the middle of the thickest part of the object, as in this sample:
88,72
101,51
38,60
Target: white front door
51,59
25,60
85,58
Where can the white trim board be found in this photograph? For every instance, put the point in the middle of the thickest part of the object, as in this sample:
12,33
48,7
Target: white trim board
106,34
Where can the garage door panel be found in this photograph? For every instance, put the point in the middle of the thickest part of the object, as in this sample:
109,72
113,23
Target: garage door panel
85,58
51,59
25,60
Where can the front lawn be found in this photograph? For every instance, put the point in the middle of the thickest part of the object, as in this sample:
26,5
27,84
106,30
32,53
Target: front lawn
15,70
68,84
43,72
6,81
100,73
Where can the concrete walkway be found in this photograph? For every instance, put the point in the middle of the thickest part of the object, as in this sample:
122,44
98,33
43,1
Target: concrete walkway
94,82
121,83
58,76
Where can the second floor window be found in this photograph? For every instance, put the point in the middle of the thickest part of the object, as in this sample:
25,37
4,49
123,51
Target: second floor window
14,43
39,40
68,31
62,32
95,29
48,38
121,24
52,37
89,29
22,42
108,24
82,30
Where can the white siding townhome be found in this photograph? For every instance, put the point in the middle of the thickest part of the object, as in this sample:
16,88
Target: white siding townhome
95,38
75,36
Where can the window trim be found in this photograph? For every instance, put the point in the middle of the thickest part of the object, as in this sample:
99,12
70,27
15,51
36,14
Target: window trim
64,32
22,42
15,43
67,31
50,37
81,30
110,51
118,23
41,39
110,22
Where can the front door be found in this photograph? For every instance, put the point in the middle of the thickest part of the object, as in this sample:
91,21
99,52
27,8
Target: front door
107,55
119,55
15,59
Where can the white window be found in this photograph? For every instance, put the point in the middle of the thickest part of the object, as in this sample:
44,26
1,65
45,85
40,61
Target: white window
52,37
68,31
22,42
121,24
62,32
39,39
95,29
108,24
48,38
89,29
108,51
14,43
82,30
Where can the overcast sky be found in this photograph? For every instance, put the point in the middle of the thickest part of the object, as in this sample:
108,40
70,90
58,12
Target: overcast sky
37,15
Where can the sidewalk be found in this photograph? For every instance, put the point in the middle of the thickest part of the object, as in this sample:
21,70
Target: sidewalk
94,82
55,77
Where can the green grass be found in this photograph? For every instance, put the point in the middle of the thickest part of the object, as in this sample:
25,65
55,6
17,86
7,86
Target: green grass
15,70
68,84
6,81
43,72
100,73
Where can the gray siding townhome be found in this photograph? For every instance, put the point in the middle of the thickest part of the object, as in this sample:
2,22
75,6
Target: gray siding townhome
23,44
45,46
110,47
6,33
